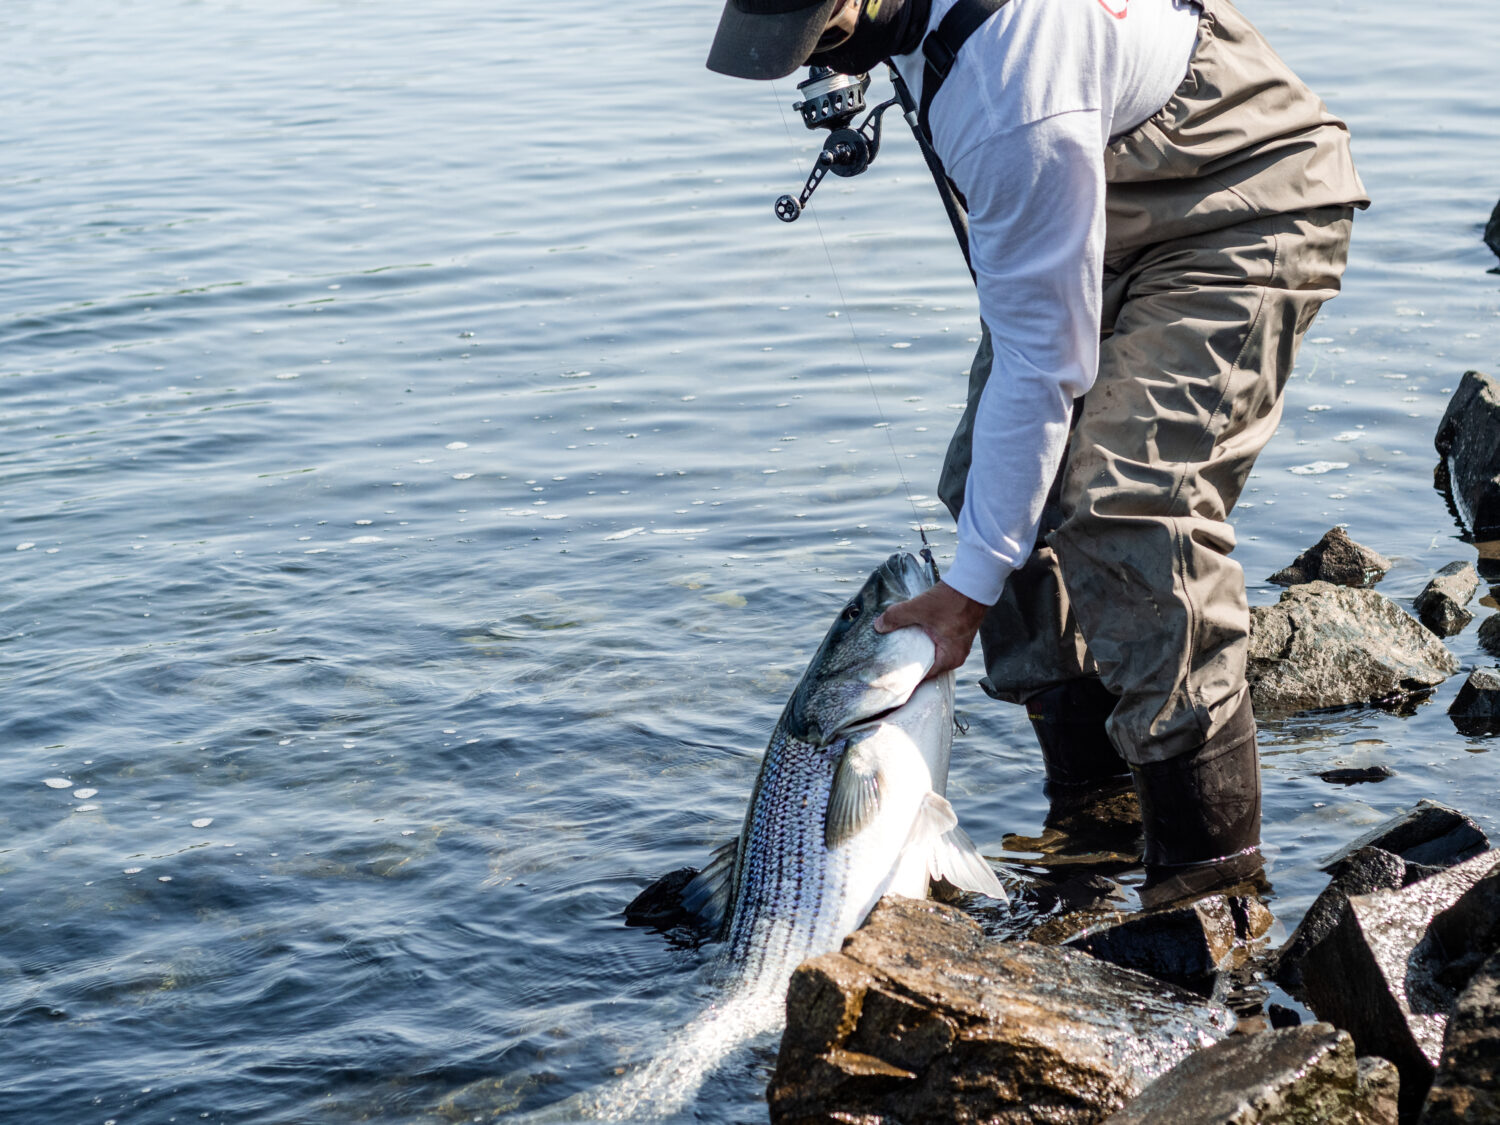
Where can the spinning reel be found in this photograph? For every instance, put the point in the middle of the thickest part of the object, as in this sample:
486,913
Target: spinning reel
832,101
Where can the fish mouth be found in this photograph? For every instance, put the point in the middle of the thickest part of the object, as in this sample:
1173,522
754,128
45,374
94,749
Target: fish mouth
877,718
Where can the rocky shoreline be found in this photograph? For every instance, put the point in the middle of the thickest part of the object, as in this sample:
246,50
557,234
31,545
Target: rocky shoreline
1102,1016
932,1013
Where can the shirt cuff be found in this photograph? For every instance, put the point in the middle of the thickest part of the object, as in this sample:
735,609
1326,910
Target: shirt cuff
976,573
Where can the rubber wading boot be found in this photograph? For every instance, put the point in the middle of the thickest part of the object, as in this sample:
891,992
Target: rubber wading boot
1201,814
1091,808
1069,723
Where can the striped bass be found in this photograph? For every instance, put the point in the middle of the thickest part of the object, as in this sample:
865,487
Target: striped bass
849,804
848,807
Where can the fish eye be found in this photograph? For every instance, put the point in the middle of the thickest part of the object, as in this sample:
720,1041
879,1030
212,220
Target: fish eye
851,611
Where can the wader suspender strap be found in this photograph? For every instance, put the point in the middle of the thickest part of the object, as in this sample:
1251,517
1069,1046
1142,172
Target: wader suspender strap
941,46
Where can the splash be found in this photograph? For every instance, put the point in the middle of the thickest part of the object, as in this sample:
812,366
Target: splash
666,1084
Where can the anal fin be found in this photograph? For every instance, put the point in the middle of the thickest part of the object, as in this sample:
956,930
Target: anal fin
949,852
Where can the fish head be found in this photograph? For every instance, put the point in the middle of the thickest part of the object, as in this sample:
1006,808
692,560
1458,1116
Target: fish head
858,674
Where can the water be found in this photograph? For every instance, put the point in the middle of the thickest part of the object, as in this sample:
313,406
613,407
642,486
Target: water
428,467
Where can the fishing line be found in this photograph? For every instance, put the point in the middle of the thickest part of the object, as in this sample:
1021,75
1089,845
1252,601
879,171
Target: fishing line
854,335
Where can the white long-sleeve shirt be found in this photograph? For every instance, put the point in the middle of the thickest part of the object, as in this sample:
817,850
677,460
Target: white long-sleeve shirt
1021,125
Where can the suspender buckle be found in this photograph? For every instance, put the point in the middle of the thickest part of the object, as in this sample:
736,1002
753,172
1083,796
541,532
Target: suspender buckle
940,57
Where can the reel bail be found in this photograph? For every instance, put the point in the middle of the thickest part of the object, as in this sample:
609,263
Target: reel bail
832,101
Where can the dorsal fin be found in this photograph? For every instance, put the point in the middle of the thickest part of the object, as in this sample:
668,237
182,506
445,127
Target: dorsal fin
710,893
854,798
950,854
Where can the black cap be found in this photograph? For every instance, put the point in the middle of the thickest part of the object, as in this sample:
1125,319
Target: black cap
768,38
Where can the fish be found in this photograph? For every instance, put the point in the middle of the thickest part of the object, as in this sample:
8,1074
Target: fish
849,804
848,807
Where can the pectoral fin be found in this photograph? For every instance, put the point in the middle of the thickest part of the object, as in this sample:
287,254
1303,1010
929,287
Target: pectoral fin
951,855
710,893
854,798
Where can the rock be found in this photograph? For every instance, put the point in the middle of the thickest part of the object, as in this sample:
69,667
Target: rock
1369,869
1466,934
1467,1086
1489,634
1492,230
1356,776
1427,834
1281,1016
1334,558
1468,440
1476,710
1186,945
1377,974
1440,605
1307,1075
919,1018
1378,1091
1329,646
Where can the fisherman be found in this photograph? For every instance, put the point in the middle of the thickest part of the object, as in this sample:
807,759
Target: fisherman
1157,208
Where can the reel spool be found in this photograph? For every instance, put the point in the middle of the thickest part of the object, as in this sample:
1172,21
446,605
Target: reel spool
831,100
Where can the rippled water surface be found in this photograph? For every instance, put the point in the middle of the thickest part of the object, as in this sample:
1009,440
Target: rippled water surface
428,465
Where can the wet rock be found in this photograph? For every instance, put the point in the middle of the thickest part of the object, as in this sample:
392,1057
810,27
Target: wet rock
1282,1016
1355,776
1489,634
1492,231
1377,974
919,1018
1465,935
1369,869
1378,1091
1188,945
1428,834
1308,1075
1328,646
1440,605
1334,558
1468,440
1467,1086
1476,710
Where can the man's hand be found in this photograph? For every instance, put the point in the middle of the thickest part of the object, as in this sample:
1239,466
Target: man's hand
945,615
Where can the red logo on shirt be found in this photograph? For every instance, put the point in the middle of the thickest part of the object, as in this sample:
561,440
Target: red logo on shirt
1118,14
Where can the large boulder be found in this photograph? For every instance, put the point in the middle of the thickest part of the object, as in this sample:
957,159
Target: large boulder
1467,1086
1323,645
1381,977
1440,605
920,1018
1368,869
1297,1076
1468,440
1334,558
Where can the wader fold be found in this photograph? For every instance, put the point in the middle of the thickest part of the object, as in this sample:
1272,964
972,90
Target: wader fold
1228,218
